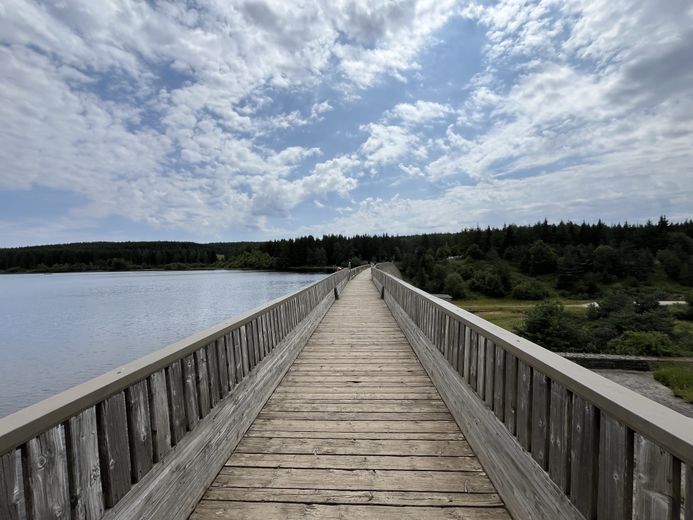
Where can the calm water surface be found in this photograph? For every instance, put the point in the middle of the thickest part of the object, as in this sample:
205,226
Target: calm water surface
59,330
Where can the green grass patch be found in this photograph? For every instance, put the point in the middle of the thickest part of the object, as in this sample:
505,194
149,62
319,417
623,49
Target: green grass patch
509,313
678,377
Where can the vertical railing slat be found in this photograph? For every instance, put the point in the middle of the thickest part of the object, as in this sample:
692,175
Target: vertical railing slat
176,400
9,487
584,456
223,366
159,413
46,481
490,373
114,451
523,426
213,372
540,418
559,436
499,382
139,429
82,443
615,492
657,482
192,401
510,393
202,373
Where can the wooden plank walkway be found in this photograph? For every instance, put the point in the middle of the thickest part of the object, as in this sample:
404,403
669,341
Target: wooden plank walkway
356,429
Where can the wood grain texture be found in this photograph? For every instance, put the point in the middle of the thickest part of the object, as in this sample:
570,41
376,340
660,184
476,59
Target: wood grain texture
615,493
114,450
228,510
584,456
202,378
176,401
10,487
82,443
657,482
213,371
139,430
192,401
540,418
559,436
523,427
46,482
159,414
511,395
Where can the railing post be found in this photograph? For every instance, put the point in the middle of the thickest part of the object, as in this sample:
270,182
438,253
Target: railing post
336,294
382,292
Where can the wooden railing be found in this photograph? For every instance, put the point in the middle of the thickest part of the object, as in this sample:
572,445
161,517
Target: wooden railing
84,449
612,453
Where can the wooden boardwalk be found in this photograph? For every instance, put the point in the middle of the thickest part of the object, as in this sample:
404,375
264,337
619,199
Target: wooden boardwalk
355,429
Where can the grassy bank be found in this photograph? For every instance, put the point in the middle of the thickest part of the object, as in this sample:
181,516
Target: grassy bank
677,377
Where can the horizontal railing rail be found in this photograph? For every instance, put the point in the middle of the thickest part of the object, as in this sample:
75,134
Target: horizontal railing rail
613,452
83,449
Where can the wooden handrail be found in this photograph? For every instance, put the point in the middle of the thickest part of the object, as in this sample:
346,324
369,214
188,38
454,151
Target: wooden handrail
120,424
548,403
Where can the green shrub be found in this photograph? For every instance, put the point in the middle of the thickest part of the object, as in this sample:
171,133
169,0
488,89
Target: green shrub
642,343
491,281
454,285
529,290
677,377
549,325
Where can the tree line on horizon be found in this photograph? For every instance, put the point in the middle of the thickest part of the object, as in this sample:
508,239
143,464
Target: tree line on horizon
582,256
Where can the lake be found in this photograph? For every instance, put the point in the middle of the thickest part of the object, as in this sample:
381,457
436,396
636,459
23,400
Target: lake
60,330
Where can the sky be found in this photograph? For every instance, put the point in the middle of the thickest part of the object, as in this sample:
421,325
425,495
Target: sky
250,120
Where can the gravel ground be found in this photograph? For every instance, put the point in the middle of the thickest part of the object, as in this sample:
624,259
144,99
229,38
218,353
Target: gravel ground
644,383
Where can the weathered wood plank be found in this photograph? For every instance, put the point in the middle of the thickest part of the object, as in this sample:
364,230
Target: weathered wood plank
82,443
559,436
328,446
202,373
490,370
10,487
418,435
228,510
159,414
499,383
334,496
378,480
192,400
223,366
688,492
176,400
114,451
511,389
523,426
139,430
367,462
657,482
213,371
615,492
243,338
298,425
584,453
474,352
541,394
46,481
